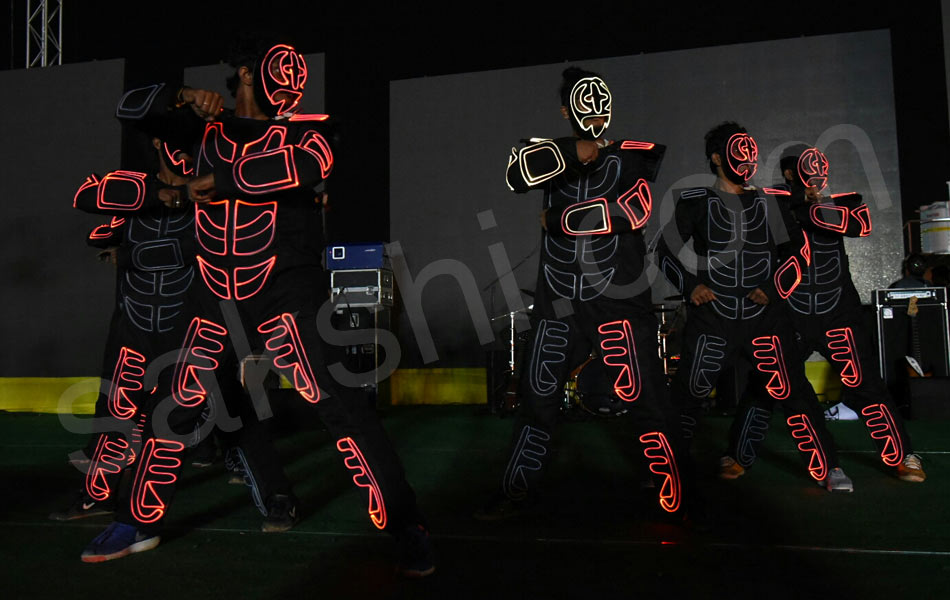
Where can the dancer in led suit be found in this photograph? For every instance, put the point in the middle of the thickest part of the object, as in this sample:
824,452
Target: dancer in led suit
259,283
151,239
591,290
739,234
826,312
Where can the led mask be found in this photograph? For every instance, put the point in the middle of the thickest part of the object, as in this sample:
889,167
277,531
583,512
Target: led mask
280,77
590,98
177,161
813,168
741,154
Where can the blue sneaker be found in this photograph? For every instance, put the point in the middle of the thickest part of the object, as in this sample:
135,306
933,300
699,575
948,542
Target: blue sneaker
415,552
118,540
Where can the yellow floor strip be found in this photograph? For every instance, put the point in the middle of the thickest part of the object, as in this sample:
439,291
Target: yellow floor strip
77,395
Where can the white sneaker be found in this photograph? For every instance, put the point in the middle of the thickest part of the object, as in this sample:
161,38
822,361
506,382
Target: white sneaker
837,481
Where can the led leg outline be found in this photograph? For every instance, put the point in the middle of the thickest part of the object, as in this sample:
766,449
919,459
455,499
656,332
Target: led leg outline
810,445
770,361
363,477
158,467
657,450
880,423
844,350
203,340
527,456
283,340
621,352
109,458
753,432
126,379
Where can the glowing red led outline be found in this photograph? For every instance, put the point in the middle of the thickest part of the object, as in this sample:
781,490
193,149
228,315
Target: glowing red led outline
274,138
790,263
806,249
634,145
363,477
101,232
620,351
881,424
640,191
809,444
254,275
126,379
179,162
844,350
742,153
813,168
282,339
217,280
318,147
660,457
91,181
818,220
863,215
217,130
292,75
109,458
771,361
776,191
158,468
203,340
133,177
289,178
309,117
207,230
266,211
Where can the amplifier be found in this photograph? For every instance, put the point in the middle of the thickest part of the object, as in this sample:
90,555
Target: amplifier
361,287
912,322
356,256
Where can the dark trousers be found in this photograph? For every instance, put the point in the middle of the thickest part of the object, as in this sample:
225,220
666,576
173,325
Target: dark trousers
841,337
711,342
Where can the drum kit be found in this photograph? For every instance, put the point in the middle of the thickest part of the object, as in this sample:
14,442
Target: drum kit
587,388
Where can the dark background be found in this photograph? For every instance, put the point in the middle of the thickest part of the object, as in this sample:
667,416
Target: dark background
368,45
365,49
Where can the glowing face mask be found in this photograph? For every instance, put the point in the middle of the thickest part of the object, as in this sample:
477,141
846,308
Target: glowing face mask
590,99
282,74
177,161
741,156
813,168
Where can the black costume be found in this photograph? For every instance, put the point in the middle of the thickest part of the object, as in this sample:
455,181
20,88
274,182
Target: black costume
155,253
738,241
592,290
260,286
826,312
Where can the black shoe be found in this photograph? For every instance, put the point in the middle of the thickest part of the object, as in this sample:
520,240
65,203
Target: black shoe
502,507
415,552
83,506
281,514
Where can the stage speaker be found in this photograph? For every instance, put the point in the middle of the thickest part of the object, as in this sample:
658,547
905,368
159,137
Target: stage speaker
912,323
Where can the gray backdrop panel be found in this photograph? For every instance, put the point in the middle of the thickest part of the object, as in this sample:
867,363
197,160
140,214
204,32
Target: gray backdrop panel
450,138
58,127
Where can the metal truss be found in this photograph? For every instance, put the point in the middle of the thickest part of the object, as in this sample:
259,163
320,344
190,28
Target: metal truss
44,33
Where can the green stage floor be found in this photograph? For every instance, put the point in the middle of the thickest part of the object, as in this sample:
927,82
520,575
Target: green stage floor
772,534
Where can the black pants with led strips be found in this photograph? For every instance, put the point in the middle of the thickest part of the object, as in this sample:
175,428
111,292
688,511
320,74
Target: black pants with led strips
711,342
626,336
841,337
282,320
